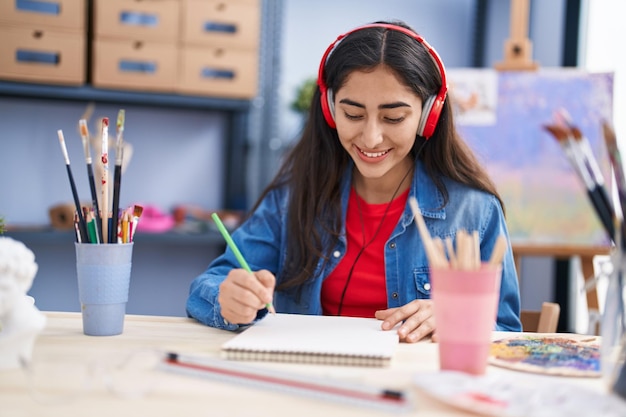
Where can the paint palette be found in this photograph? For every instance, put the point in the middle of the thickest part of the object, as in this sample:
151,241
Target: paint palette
554,354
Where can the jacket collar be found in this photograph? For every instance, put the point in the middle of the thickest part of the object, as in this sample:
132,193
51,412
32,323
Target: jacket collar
429,198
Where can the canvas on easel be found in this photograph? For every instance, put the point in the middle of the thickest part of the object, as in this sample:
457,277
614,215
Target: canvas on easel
545,201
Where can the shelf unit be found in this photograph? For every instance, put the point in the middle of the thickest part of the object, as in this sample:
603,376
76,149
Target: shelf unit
261,111
89,93
247,121
167,261
236,111
45,236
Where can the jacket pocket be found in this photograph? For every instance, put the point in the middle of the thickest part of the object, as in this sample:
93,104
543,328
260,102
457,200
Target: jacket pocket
422,282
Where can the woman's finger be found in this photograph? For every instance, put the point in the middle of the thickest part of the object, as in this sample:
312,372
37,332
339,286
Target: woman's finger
394,316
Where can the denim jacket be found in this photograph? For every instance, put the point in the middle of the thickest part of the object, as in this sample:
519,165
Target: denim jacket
262,239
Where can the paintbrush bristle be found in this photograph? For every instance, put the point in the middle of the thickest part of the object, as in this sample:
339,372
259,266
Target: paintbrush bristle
120,120
82,123
137,210
577,135
609,136
560,133
63,147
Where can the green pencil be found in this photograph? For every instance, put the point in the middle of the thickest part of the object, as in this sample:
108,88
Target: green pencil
92,230
235,249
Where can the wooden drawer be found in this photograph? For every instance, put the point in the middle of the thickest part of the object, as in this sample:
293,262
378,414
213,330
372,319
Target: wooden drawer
232,23
134,65
218,72
42,56
62,15
156,20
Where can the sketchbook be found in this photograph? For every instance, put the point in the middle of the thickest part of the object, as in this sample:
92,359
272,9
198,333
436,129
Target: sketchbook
327,340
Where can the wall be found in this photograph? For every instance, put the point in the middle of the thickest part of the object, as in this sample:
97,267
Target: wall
177,156
310,27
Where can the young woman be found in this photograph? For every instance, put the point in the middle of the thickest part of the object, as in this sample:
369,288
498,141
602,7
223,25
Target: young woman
333,233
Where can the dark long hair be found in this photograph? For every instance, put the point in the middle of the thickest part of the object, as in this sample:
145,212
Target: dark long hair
314,168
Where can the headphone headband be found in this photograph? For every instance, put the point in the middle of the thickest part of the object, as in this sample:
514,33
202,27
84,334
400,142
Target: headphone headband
432,106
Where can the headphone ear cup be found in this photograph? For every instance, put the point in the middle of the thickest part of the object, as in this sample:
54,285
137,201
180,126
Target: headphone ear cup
431,110
328,107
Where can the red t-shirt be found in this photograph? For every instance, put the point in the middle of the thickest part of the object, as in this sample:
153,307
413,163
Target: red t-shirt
367,291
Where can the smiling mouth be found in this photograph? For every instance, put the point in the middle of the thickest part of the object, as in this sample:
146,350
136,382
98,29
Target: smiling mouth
373,154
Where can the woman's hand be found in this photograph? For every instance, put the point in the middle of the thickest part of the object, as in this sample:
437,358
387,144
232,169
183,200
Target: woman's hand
416,318
242,294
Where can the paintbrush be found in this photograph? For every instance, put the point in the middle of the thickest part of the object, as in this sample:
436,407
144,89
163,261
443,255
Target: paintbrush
466,251
117,177
84,134
137,211
582,148
618,173
82,225
595,191
451,254
104,184
582,143
617,164
499,248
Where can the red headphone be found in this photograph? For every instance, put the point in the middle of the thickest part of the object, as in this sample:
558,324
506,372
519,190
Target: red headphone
431,109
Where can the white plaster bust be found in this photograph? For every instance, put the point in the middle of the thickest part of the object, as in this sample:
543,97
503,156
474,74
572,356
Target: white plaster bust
20,320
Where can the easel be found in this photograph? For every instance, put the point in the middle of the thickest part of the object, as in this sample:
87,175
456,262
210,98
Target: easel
586,255
518,48
518,56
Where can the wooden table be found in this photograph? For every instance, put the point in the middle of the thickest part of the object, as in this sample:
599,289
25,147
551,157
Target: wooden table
76,375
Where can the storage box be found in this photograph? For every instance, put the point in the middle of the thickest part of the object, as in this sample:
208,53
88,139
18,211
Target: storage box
67,15
135,65
233,23
156,20
42,56
218,72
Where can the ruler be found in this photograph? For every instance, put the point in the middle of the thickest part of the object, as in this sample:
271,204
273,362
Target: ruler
306,385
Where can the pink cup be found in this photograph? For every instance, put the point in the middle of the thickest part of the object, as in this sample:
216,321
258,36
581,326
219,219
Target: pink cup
465,306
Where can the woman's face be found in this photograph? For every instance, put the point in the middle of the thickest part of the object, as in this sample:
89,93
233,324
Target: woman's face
377,119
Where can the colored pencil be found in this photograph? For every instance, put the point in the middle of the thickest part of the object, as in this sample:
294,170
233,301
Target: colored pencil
82,226
231,244
84,134
92,228
104,184
125,221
